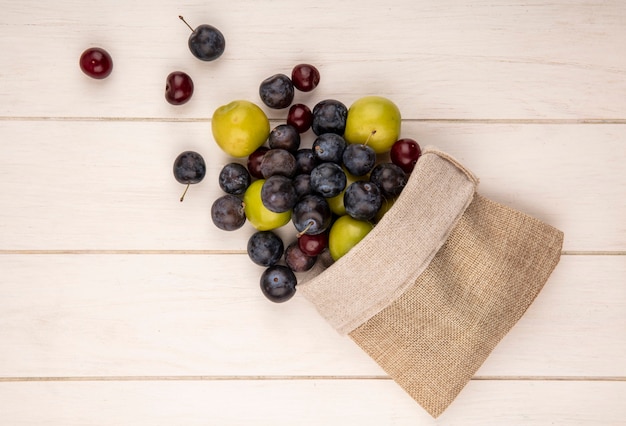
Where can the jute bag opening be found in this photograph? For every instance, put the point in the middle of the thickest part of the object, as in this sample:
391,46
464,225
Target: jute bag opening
439,281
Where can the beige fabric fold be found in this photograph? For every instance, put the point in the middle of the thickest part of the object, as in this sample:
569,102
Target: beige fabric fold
438,283
438,192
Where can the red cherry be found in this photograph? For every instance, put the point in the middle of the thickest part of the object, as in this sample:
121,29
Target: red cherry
254,162
405,153
300,117
96,63
313,245
178,88
305,77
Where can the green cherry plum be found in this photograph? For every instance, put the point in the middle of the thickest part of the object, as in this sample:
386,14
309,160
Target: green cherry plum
374,121
345,233
240,127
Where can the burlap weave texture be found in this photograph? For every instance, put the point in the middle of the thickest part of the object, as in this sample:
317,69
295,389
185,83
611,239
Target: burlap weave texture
433,338
398,249
430,310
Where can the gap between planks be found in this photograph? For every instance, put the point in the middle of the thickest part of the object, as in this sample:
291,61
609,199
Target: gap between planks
289,378
564,121
225,252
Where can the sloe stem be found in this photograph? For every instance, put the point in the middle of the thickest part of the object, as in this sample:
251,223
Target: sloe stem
308,226
183,19
182,197
369,137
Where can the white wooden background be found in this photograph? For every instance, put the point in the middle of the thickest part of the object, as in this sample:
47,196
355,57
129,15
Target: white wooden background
119,305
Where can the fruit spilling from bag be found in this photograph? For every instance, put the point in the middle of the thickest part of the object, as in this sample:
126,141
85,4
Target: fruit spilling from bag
395,247
333,192
403,256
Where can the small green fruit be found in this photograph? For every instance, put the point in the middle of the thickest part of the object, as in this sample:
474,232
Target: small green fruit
345,233
375,121
336,203
257,214
240,127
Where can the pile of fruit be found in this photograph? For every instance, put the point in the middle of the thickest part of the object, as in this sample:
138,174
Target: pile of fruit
333,192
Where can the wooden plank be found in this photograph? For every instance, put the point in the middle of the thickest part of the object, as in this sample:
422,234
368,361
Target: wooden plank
561,174
308,402
181,315
585,296
114,180
120,305
436,59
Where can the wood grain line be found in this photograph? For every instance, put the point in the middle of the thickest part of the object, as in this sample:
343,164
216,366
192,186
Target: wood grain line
119,252
290,378
223,252
182,378
543,121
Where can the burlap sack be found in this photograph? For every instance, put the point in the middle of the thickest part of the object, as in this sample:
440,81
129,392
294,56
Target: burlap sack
438,282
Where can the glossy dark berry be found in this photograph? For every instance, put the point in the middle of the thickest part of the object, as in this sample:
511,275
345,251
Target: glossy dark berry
297,260
329,116
329,147
389,178
302,185
234,178
328,179
227,213
359,159
206,42
277,91
278,162
189,168
305,160
311,215
178,88
305,77
96,63
284,136
300,117
278,194
265,248
362,200
278,283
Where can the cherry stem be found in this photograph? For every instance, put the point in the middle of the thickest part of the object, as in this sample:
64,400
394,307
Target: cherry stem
369,137
182,197
183,19
308,226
